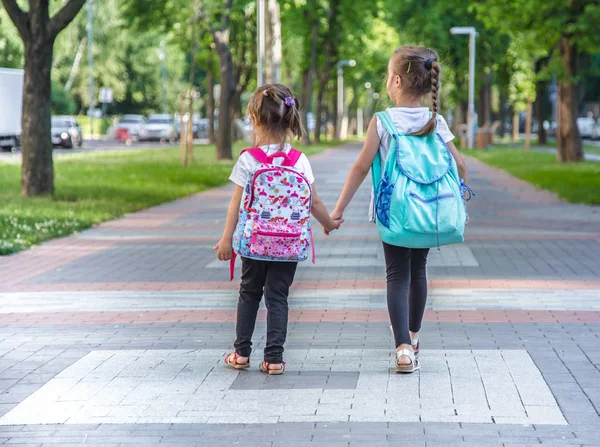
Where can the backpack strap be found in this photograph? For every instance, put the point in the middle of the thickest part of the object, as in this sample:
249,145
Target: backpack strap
257,153
387,122
289,159
232,265
294,155
388,125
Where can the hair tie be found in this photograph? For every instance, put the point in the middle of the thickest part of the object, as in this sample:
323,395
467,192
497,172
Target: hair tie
429,63
266,92
289,101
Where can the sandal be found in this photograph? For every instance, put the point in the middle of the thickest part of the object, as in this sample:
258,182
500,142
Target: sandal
412,366
415,344
264,367
233,363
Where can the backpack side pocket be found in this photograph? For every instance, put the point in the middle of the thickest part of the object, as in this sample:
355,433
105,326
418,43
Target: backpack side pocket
383,198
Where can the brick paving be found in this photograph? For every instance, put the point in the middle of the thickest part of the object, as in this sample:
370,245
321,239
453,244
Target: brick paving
115,336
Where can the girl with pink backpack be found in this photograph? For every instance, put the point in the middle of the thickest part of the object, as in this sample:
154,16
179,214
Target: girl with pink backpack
268,222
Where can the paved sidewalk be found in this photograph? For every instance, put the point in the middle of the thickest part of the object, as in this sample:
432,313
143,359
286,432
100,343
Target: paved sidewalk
116,336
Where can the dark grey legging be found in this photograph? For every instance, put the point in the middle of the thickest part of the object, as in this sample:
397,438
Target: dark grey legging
406,289
274,280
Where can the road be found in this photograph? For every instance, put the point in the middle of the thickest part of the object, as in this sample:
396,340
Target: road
99,146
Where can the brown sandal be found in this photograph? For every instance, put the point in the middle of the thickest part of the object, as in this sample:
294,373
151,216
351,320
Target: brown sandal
264,367
234,363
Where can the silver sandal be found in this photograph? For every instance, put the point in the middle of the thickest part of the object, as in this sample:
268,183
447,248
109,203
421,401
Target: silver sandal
415,344
411,367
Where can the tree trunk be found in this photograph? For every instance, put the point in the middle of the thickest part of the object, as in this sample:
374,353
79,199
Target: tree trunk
305,103
528,128
515,126
541,101
319,112
210,102
337,124
309,71
330,54
236,105
273,43
224,139
502,114
485,116
568,138
37,170
540,111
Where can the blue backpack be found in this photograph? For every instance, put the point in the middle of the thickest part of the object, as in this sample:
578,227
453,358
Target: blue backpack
419,200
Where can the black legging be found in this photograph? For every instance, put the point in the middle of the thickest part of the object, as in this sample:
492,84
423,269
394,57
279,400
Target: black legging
406,289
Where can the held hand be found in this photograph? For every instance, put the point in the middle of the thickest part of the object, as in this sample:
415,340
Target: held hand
337,215
336,223
223,249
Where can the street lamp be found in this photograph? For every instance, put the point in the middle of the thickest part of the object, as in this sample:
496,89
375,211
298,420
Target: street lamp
369,105
162,55
340,92
90,32
260,66
471,109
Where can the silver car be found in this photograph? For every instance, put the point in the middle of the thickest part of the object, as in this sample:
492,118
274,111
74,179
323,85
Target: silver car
133,124
66,132
158,128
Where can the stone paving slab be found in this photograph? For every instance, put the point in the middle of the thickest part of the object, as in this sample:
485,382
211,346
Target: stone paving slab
368,299
193,386
511,331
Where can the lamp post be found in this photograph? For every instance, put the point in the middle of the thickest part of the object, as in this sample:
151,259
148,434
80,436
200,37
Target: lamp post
471,108
90,33
163,71
340,93
369,102
260,66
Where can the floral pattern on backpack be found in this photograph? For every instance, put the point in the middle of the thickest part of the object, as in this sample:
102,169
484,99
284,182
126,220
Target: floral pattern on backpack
274,220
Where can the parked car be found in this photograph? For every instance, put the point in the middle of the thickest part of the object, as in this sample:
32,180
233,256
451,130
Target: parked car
586,126
66,132
158,128
596,131
133,124
202,128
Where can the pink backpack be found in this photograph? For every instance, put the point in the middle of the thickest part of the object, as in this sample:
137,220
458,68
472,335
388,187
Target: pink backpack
274,220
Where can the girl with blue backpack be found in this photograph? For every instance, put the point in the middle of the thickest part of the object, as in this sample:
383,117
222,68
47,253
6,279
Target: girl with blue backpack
419,183
268,222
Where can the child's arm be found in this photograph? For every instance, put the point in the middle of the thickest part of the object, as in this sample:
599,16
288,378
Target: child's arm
224,246
320,212
360,170
460,162
462,171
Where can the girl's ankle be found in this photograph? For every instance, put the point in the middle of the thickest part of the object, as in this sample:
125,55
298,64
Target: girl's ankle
404,346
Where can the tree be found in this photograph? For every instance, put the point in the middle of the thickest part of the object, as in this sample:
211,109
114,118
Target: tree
566,31
38,31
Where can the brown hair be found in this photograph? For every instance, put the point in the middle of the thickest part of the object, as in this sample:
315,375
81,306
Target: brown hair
420,73
275,107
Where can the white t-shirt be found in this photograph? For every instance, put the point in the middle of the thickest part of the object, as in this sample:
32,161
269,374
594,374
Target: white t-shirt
406,120
246,164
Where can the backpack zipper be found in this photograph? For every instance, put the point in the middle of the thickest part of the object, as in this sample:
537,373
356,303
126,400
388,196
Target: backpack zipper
293,171
268,233
419,198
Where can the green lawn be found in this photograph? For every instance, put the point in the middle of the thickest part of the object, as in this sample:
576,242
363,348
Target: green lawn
575,182
96,187
588,148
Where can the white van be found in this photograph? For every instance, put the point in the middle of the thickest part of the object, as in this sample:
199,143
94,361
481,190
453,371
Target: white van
11,98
